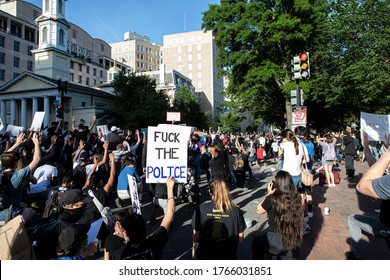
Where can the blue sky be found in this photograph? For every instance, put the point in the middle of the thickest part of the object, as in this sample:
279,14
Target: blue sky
109,20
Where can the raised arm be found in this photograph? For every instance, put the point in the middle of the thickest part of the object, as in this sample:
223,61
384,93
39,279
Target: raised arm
95,164
73,123
110,183
167,220
18,142
104,160
37,153
81,147
92,124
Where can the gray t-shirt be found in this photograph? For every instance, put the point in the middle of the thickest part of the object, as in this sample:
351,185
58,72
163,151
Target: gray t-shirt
381,187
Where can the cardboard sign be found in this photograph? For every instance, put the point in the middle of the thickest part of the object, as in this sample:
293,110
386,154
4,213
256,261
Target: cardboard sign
173,116
14,130
37,121
167,153
376,126
135,205
102,131
299,116
14,242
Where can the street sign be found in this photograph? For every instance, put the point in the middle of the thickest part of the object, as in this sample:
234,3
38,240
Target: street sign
293,95
56,102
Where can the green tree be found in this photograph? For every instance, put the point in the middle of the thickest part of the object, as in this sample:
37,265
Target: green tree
137,102
190,109
230,121
257,40
353,69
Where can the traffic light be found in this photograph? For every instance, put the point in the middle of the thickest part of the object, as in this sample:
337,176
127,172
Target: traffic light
296,68
59,112
305,66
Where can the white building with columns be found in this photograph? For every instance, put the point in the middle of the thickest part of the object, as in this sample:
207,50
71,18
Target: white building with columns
35,91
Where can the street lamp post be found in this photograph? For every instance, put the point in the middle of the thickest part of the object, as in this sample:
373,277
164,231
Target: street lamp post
62,90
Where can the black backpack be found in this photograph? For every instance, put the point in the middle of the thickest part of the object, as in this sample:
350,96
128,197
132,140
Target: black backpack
54,204
7,191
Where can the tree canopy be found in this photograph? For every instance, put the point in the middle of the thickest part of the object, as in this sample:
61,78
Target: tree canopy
348,43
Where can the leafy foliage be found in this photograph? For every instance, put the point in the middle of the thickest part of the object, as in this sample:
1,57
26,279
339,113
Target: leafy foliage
230,121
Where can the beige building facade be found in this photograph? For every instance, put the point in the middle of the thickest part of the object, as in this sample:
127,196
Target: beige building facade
137,52
194,55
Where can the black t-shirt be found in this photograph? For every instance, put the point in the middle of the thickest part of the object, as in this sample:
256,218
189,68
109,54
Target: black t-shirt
218,232
384,215
151,249
112,244
217,168
78,135
267,205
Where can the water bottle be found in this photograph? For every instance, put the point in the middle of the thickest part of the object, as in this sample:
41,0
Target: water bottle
326,211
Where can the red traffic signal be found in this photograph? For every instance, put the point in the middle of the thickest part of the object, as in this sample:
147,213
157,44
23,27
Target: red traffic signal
59,111
304,65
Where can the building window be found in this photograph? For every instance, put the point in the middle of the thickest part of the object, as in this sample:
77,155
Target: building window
29,49
2,75
44,34
80,67
101,74
83,104
74,34
61,35
47,5
72,77
30,65
2,41
71,65
94,81
16,46
94,71
80,79
16,62
87,81
2,58
102,47
87,69
60,5
16,74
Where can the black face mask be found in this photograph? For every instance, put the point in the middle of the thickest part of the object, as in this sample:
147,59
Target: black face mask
77,213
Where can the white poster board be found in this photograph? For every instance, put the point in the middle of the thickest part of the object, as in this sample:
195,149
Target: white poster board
14,130
135,205
1,125
102,131
376,126
167,153
37,121
173,116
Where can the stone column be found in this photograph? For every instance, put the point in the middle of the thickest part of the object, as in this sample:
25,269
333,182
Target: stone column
3,115
34,106
46,107
23,113
13,112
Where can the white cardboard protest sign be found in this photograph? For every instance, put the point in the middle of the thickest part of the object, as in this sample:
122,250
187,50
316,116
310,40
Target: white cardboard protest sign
37,121
376,126
14,130
167,153
102,131
135,205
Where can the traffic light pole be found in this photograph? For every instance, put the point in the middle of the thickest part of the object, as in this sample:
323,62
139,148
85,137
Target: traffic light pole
298,90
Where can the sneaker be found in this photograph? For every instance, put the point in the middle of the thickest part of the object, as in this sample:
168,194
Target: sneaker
310,215
118,202
327,185
332,185
377,210
351,256
306,230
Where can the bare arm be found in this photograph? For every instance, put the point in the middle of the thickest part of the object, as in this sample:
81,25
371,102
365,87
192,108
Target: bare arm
37,153
104,160
167,220
18,142
73,123
367,151
58,126
92,124
95,163
81,147
110,183
375,171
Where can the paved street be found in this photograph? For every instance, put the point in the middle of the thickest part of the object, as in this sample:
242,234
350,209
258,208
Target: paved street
328,239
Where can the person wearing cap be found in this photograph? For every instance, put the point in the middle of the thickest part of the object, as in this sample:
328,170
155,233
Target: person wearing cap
73,243
113,138
77,208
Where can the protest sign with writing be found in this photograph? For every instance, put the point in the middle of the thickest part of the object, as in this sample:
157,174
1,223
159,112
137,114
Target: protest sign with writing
135,205
14,130
376,126
167,153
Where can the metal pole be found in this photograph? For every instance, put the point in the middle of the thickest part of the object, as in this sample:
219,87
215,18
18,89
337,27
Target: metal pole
298,93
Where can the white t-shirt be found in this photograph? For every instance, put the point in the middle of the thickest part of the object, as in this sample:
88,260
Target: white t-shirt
292,162
43,174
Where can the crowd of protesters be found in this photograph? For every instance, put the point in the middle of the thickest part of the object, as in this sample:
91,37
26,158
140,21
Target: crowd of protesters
59,181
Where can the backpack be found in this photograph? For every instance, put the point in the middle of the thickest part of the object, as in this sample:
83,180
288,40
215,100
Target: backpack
330,153
54,203
7,191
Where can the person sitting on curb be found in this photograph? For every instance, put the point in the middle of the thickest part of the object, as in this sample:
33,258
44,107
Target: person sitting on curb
372,184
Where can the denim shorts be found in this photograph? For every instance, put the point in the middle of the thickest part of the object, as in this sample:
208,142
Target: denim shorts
297,181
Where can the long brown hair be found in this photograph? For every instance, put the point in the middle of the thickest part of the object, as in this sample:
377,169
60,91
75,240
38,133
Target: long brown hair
220,195
288,209
290,136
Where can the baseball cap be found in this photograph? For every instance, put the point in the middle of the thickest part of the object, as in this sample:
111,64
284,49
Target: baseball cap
75,195
114,128
83,155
